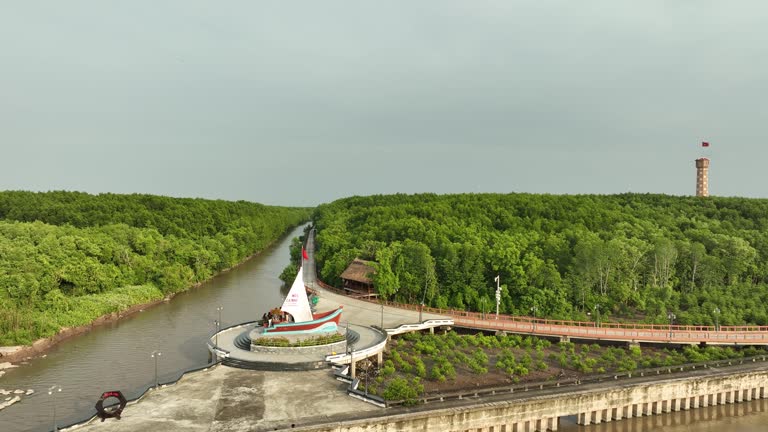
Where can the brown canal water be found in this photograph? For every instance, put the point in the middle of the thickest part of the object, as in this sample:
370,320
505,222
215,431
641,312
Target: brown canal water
117,356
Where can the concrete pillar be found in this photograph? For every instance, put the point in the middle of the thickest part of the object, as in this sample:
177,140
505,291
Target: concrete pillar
627,411
582,419
520,427
617,412
380,358
606,414
674,405
553,423
684,404
636,411
705,401
656,407
432,330
694,402
666,406
729,397
538,425
352,369
646,409
739,395
748,395
597,417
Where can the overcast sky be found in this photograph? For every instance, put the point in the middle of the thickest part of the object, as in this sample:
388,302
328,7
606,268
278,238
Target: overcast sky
302,102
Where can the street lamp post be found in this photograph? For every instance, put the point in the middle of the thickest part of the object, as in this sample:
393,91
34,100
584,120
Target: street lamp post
216,327
382,316
155,355
671,317
717,321
352,368
498,294
533,324
219,309
423,298
52,391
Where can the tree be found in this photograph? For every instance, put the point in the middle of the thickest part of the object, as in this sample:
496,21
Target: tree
664,257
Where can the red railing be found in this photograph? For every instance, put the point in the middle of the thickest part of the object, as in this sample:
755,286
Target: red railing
630,332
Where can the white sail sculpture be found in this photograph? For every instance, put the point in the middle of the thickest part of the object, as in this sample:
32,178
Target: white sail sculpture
297,303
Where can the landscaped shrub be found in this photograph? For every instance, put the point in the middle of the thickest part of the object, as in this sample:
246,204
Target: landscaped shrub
419,368
401,389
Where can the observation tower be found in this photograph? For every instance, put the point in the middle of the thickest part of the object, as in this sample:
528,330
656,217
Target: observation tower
702,177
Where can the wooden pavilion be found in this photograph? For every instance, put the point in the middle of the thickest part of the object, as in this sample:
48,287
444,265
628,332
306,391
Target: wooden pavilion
357,277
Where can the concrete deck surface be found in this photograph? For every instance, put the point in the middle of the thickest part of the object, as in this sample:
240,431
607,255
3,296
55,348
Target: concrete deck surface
231,400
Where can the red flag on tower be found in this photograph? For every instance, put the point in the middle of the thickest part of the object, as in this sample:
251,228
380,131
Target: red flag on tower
704,144
304,253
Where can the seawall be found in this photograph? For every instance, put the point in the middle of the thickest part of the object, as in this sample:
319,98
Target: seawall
605,402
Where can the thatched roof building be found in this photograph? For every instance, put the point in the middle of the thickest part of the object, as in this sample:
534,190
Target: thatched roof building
358,276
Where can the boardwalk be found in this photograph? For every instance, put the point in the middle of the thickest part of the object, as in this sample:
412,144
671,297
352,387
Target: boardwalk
621,332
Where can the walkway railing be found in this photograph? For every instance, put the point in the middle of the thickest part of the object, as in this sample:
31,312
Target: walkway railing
629,332
612,331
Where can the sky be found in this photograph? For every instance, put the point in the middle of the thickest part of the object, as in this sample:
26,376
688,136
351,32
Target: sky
303,102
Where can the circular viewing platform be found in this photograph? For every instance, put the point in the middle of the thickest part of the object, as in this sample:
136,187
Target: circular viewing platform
235,345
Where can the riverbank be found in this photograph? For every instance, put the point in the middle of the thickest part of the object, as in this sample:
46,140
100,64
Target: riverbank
23,353
41,346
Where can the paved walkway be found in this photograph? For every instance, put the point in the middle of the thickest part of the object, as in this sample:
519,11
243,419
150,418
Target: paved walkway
231,400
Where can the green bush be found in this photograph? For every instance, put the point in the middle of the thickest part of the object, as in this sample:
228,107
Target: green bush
388,369
419,368
401,389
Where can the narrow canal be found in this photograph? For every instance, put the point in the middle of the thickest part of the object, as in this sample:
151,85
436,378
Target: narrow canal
118,356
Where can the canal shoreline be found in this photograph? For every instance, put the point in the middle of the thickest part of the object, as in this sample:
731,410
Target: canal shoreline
23,353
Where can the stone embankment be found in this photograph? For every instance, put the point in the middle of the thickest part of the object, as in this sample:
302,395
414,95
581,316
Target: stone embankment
542,410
